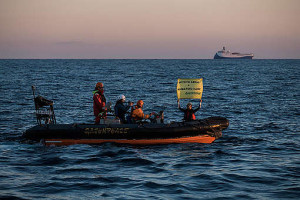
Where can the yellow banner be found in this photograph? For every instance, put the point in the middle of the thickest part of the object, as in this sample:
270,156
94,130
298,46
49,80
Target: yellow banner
189,88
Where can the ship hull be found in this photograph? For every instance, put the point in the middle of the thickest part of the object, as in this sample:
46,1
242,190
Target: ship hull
198,131
232,57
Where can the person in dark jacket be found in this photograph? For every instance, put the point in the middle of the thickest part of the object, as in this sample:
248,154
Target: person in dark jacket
99,102
121,109
189,112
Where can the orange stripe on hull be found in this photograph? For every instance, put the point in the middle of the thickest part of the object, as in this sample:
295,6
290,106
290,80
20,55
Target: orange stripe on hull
195,139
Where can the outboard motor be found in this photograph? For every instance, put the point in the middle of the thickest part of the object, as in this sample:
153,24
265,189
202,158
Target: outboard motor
158,118
44,110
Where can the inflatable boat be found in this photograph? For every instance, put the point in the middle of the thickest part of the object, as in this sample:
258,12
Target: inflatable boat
198,131
111,130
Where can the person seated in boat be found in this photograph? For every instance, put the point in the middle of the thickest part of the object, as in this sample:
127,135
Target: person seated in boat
137,113
99,102
121,109
189,112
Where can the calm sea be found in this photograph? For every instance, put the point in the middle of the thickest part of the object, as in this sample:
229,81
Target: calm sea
258,156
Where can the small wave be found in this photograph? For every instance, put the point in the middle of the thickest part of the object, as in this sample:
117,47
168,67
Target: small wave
267,126
165,187
135,162
112,179
87,160
250,178
73,169
11,197
48,161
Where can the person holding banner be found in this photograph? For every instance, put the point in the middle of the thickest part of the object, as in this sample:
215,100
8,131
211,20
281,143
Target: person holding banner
189,89
189,112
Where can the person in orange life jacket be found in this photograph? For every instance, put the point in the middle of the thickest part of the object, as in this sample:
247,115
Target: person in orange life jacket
99,102
137,113
189,113
121,109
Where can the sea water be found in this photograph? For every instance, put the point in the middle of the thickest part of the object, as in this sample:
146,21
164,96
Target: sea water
258,156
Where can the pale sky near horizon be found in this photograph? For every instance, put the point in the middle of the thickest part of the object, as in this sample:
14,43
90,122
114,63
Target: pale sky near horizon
179,29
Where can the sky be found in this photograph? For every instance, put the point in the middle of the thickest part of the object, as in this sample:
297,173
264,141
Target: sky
148,29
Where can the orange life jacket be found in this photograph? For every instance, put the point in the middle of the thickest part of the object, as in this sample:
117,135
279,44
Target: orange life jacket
138,114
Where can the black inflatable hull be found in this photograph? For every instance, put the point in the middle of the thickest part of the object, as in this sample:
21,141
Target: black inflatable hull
199,131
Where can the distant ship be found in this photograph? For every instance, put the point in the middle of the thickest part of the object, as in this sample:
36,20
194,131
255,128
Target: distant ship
228,55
